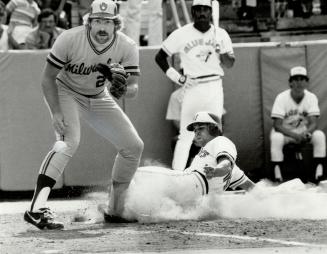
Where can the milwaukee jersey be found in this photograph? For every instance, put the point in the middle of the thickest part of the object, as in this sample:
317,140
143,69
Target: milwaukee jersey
197,49
295,115
75,55
208,155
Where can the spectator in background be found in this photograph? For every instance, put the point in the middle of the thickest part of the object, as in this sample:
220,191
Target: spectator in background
295,115
43,36
61,9
3,28
132,21
23,17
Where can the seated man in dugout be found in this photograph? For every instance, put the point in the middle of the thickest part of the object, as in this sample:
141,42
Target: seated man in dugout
295,114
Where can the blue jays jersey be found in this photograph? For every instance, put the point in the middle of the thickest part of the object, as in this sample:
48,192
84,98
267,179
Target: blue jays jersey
208,155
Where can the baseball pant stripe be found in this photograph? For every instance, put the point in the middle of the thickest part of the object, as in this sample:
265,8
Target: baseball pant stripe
47,162
239,181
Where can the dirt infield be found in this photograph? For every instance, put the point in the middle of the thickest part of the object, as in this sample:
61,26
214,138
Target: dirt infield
218,235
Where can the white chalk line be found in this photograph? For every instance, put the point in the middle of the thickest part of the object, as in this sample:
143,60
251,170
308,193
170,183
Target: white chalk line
255,239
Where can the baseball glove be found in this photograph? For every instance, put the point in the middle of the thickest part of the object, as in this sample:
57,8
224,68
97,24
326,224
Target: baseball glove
117,76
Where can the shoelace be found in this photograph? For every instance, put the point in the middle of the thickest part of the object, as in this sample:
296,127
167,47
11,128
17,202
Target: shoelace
47,213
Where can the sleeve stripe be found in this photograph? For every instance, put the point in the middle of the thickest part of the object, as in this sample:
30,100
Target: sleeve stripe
238,182
54,64
226,154
131,67
56,60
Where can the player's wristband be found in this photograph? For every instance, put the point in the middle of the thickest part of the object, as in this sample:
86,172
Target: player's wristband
175,76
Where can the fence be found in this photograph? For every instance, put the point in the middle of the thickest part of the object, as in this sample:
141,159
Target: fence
260,72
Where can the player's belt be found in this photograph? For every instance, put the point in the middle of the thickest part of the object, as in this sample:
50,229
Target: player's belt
85,95
203,180
207,78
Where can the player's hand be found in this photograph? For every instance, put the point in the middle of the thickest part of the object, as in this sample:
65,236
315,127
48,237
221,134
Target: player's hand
209,172
118,92
219,46
222,169
307,136
303,137
117,76
59,123
189,82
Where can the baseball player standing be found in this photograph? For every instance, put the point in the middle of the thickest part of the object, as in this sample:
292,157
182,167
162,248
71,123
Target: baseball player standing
81,64
201,50
212,170
295,115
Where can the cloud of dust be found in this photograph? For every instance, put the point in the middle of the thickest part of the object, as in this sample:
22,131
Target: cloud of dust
148,201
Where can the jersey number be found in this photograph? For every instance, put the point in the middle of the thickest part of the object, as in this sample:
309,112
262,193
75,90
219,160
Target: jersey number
100,81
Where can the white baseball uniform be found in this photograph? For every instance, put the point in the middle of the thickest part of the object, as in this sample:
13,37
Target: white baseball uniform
83,92
187,186
200,61
294,117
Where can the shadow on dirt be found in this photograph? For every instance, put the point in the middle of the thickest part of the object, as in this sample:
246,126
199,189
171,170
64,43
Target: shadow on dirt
79,231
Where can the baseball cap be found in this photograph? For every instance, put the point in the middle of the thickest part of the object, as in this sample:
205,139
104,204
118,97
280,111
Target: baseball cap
202,2
103,9
204,117
298,71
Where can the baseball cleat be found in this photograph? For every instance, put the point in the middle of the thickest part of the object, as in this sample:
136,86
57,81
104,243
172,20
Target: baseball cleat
116,219
102,208
43,219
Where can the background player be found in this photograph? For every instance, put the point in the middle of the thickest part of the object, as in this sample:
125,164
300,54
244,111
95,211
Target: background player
295,114
201,50
75,83
212,171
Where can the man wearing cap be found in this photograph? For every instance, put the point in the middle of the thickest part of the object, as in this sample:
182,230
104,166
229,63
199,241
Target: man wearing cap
212,170
82,63
295,115
202,49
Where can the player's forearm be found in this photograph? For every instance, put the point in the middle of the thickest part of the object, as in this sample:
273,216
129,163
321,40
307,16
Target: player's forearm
285,131
132,87
312,126
50,92
278,126
132,91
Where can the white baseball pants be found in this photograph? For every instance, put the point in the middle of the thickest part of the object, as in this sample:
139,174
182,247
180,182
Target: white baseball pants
206,96
278,140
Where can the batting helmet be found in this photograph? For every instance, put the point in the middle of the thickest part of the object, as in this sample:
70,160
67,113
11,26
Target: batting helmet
205,117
